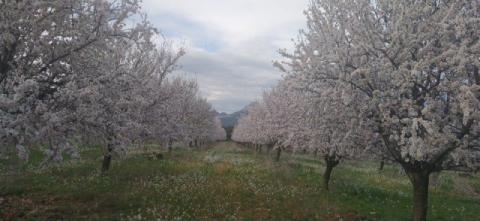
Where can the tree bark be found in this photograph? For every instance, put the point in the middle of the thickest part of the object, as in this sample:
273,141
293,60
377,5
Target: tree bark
107,158
279,152
420,182
327,175
170,146
330,163
382,164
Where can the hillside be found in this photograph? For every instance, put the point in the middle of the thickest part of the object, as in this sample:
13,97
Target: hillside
230,120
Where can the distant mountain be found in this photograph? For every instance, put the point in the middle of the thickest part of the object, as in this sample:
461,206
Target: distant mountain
230,120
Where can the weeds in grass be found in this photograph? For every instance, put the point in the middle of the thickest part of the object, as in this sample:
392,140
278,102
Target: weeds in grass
224,182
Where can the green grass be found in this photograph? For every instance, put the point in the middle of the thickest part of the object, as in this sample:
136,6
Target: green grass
222,182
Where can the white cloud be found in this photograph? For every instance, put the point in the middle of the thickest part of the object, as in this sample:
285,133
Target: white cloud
230,43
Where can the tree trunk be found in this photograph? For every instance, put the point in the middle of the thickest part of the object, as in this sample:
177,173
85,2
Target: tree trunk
330,162
382,164
107,158
279,151
170,146
420,182
327,175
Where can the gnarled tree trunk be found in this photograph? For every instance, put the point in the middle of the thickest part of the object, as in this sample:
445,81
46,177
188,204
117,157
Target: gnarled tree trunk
420,182
330,162
107,157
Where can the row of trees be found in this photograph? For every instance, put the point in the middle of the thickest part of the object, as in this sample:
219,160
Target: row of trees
92,70
396,80
324,124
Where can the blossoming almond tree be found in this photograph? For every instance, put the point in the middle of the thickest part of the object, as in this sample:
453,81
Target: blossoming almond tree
42,41
219,133
336,133
126,86
75,69
250,128
417,63
181,115
325,121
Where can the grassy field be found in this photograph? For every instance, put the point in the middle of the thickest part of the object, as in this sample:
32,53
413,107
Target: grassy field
222,182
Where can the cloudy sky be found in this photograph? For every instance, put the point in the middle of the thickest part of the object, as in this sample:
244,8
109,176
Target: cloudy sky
230,44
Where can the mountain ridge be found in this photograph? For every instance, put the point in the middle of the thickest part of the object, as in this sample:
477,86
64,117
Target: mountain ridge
230,120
